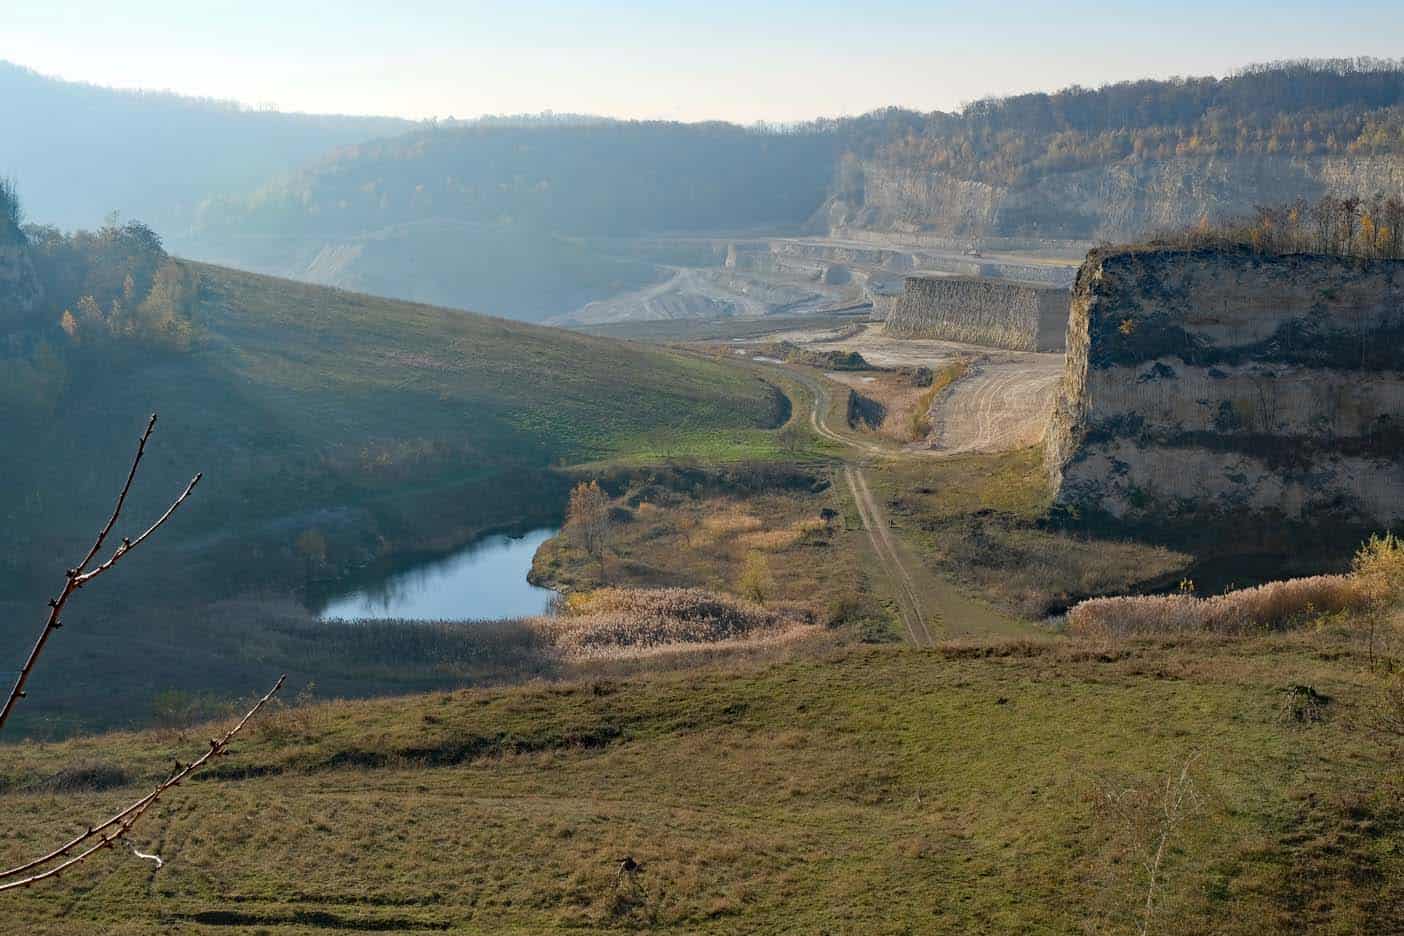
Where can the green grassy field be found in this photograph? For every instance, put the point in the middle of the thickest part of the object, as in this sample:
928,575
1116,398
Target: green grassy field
849,790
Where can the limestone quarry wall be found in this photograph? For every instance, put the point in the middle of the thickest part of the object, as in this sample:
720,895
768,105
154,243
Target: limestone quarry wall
1121,201
1213,383
999,313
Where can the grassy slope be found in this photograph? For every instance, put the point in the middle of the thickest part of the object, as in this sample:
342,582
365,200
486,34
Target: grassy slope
880,790
301,399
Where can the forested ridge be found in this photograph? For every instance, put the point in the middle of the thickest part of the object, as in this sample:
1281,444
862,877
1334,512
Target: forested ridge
1297,108
627,177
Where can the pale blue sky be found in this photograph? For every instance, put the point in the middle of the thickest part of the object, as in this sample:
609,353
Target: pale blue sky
696,60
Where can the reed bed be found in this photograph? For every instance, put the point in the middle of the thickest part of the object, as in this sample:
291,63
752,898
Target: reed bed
615,623
1274,606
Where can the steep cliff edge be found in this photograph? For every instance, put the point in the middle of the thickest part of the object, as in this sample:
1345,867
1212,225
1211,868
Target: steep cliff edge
1219,383
998,313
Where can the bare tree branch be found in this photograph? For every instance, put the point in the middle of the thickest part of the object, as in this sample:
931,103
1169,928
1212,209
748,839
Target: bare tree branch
101,836
80,575
122,823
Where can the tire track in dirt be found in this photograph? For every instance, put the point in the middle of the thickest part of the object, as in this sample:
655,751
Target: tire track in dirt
881,538
995,408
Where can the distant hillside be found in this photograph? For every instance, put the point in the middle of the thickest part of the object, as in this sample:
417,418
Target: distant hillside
404,215
489,215
80,151
508,215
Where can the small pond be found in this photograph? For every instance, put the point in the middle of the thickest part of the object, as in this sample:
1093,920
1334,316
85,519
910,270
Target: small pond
484,580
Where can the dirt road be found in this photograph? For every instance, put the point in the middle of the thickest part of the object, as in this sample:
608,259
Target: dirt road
994,408
927,604
880,536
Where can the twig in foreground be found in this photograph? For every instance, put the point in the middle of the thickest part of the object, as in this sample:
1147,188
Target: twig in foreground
122,823
80,575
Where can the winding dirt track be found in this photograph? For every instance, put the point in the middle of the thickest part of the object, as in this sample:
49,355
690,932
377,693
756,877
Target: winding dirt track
932,603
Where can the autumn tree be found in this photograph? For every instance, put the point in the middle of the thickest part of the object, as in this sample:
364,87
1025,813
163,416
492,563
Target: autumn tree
587,518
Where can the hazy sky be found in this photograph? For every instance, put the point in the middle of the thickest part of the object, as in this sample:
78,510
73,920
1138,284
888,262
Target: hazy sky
700,59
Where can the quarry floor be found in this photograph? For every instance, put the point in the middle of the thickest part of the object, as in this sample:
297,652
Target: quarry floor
1002,404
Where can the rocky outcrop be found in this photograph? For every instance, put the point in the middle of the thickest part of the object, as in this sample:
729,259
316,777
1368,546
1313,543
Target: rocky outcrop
1121,201
998,313
1219,383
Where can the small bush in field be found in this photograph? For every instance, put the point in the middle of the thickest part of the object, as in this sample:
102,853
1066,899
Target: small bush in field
1274,606
1380,564
756,581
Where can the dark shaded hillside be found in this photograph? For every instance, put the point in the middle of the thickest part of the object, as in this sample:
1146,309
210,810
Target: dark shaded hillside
80,151
337,432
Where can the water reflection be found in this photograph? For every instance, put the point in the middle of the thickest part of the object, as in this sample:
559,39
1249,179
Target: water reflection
485,580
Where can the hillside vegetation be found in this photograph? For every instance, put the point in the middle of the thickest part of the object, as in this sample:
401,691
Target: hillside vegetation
1292,108
616,177
336,432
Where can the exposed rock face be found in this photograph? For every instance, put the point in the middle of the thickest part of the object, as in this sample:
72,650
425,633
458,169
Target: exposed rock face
19,286
1212,383
999,313
1117,202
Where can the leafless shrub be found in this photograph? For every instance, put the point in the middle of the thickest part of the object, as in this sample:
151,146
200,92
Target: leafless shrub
587,517
1379,564
1303,705
1384,711
1151,817
1274,606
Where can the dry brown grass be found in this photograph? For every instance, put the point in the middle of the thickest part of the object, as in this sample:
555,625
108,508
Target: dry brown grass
613,623
919,422
783,538
1274,606
729,522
